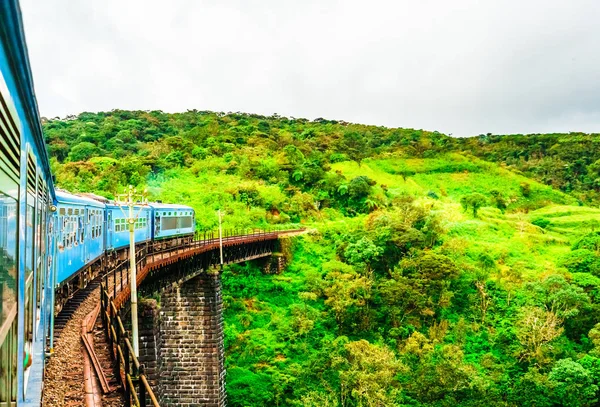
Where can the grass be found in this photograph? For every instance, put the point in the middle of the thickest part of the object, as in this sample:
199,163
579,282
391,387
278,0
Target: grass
510,238
453,176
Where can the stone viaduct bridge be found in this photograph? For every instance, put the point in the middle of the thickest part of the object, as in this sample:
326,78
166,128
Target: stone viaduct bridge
181,360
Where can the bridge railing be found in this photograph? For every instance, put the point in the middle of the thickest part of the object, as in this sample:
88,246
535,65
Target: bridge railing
128,370
228,233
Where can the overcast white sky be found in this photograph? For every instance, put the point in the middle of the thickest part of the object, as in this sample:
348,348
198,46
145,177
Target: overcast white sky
462,66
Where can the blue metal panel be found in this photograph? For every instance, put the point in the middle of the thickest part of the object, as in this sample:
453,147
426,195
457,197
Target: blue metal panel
171,220
118,230
79,244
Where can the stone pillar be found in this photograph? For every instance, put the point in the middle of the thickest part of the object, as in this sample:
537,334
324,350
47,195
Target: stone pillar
149,336
190,345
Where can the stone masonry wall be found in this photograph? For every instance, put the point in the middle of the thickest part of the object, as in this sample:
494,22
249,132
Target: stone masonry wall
190,355
149,334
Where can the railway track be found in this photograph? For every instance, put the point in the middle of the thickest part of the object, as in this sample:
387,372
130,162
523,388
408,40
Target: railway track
64,383
72,305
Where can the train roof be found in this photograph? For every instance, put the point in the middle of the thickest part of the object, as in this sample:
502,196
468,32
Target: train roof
67,198
160,205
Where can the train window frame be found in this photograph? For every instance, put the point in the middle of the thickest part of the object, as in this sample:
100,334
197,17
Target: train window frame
9,192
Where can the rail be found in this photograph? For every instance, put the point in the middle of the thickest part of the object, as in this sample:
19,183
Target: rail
127,368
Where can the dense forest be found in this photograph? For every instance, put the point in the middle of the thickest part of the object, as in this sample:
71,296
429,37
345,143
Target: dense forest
437,271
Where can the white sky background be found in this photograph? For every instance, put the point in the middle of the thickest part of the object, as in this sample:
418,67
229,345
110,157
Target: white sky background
463,66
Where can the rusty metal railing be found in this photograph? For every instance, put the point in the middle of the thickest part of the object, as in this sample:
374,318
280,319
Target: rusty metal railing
127,368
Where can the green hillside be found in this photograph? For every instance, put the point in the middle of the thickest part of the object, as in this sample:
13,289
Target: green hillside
429,277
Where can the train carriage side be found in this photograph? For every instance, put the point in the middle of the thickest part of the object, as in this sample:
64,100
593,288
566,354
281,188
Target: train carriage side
26,201
117,229
80,236
174,222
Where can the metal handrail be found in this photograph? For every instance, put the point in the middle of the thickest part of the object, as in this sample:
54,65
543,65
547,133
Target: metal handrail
122,352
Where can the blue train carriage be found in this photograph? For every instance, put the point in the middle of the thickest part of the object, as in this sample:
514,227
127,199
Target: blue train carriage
117,229
80,241
172,224
26,203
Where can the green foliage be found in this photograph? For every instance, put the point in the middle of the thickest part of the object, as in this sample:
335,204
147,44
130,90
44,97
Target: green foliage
582,261
571,384
591,242
525,189
395,296
541,222
83,151
474,201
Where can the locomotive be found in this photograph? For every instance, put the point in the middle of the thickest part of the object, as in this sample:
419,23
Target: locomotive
51,242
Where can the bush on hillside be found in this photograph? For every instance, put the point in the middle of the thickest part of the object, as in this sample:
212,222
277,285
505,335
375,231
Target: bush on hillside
591,241
582,261
541,222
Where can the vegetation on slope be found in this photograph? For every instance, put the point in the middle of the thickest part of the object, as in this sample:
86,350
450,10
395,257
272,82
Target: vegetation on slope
432,278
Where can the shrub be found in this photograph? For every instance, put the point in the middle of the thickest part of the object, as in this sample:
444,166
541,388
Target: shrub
541,222
591,241
525,189
582,261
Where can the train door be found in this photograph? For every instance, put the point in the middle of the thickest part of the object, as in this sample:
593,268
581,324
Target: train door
30,263
39,244
85,233
109,229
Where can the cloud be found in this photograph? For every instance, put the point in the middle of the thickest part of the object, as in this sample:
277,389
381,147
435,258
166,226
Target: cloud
463,67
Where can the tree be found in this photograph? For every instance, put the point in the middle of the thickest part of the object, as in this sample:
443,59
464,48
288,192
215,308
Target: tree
536,329
362,253
498,200
368,375
355,146
442,377
594,336
572,385
346,292
419,287
83,151
474,201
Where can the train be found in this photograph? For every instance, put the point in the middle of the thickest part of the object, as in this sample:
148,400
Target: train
52,242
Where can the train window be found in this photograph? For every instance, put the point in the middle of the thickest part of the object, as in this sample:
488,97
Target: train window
185,222
8,253
168,223
120,225
61,211
29,238
76,212
69,211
